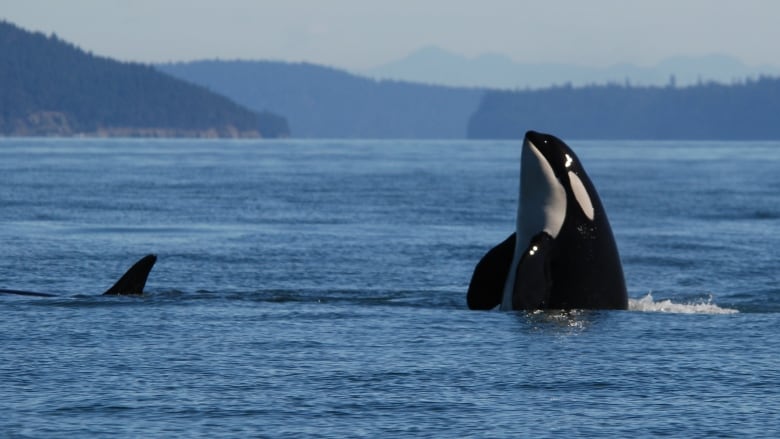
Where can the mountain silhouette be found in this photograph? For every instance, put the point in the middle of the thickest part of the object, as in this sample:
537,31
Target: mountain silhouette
53,88
438,66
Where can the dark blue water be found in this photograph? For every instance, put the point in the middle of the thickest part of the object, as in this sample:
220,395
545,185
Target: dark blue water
317,289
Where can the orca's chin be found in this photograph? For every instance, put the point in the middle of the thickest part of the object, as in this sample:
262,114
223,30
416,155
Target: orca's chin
542,205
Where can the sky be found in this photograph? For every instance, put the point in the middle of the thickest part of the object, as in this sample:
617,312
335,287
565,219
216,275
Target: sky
360,34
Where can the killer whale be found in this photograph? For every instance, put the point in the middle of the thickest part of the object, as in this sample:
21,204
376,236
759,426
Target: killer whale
562,254
131,283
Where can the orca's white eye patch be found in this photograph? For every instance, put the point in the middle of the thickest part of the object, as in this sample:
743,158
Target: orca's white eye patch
581,195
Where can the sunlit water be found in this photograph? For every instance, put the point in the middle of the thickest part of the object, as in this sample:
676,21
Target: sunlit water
317,289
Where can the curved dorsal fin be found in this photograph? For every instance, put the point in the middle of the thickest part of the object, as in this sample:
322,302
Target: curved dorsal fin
133,281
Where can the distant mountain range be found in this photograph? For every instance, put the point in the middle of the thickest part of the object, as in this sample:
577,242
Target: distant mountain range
322,102
52,88
437,66
325,102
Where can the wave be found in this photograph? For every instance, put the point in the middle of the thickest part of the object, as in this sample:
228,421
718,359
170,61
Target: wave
647,304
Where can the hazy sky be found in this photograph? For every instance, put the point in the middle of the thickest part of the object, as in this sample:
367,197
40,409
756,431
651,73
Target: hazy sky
358,34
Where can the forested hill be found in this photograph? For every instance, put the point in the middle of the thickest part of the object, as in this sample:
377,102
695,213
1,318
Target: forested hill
50,87
325,102
749,110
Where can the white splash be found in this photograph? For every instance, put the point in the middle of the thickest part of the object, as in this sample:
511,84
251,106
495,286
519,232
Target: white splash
647,304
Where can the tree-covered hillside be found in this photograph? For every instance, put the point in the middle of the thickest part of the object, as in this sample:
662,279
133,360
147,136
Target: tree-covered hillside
325,102
50,87
749,110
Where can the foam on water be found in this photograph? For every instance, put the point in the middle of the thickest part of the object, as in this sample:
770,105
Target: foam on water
647,304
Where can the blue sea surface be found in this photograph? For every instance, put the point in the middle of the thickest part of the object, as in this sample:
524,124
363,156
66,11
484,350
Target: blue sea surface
317,289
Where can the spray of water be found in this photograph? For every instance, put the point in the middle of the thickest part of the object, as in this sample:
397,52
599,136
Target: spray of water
647,304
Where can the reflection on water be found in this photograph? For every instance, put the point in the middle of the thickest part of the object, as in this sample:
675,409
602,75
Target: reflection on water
560,322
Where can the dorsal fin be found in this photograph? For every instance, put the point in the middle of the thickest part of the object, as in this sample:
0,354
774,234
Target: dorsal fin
487,283
132,283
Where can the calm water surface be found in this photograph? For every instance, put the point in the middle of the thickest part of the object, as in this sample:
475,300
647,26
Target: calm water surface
317,289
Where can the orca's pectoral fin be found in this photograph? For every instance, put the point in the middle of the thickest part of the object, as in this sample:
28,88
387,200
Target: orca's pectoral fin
487,283
132,283
533,280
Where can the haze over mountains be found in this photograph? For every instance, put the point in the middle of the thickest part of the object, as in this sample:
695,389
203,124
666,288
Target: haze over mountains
52,88
434,65
325,102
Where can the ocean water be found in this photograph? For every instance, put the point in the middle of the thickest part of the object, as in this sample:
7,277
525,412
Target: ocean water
317,289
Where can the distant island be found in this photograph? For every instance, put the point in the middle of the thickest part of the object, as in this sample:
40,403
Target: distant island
52,88
747,110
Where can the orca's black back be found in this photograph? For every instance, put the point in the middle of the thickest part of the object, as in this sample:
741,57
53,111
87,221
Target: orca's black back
585,263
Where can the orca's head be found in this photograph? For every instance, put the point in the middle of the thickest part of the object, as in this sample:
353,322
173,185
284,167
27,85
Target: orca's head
553,185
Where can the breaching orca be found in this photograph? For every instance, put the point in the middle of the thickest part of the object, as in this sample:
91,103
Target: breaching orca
130,284
562,254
